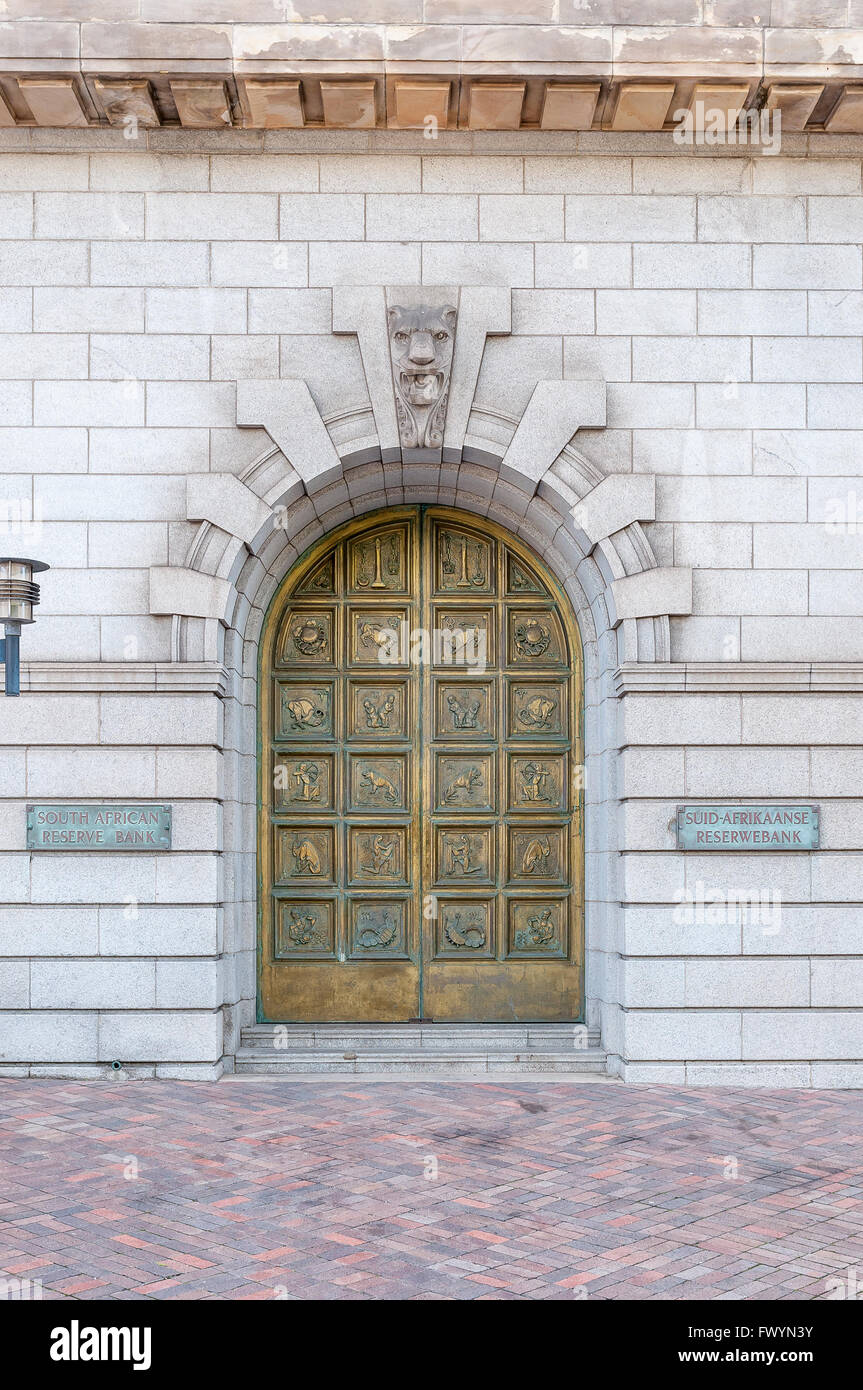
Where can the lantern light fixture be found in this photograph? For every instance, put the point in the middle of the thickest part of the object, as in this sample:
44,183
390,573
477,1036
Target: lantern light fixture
18,597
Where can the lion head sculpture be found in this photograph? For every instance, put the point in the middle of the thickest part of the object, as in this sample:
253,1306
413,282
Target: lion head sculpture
421,347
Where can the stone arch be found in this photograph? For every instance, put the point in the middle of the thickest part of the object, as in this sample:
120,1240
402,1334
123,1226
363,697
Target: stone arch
525,473
525,465
587,525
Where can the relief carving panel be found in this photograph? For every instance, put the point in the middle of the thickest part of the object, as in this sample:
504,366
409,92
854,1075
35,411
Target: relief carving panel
378,929
465,928
537,783
305,927
378,854
463,563
378,711
537,855
309,637
322,579
304,783
537,927
304,855
378,637
464,637
464,709
537,709
535,638
464,855
378,564
378,783
464,782
304,710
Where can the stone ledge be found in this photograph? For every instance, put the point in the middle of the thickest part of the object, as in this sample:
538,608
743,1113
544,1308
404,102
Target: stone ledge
127,677
739,677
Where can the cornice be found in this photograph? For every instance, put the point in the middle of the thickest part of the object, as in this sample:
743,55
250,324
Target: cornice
496,75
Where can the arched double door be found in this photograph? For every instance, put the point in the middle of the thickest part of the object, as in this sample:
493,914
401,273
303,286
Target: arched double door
420,843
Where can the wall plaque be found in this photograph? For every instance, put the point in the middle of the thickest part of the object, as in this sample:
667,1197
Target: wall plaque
99,827
748,827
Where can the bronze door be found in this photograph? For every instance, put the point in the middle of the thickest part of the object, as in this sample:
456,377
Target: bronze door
420,846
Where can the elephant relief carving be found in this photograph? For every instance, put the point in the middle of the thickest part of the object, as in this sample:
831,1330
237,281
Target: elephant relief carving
421,348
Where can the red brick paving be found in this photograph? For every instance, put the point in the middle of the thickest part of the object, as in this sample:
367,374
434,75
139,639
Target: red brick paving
256,1190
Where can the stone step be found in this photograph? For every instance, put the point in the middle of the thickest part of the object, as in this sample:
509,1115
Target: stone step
448,1036
250,1061
443,1049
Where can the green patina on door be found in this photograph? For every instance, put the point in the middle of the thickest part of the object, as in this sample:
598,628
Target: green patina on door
420,849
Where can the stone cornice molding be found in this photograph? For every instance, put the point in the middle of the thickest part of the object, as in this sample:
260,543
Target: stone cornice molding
739,678
498,75
125,677
632,678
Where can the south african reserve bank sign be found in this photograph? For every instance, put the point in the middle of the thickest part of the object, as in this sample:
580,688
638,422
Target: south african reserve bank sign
99,827
747,827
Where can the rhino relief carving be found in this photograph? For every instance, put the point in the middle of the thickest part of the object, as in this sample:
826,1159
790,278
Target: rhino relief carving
421,347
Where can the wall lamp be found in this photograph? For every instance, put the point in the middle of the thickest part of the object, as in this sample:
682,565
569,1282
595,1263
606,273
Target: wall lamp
18,597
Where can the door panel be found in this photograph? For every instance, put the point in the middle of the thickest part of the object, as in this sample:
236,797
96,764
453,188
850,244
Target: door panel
340,914
419,850
507,939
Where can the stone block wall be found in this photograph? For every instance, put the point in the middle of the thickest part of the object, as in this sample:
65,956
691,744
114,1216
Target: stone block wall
710,991
719,295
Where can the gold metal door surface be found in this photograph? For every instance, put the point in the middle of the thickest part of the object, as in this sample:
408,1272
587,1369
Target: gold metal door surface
420,847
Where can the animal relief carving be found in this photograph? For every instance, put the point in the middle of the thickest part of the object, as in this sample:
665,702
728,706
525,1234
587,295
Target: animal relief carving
376,929
537,710
372,785
462,786
464,929
311,636
421,348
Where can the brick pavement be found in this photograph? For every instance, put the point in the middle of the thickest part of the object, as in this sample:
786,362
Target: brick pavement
261,1190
